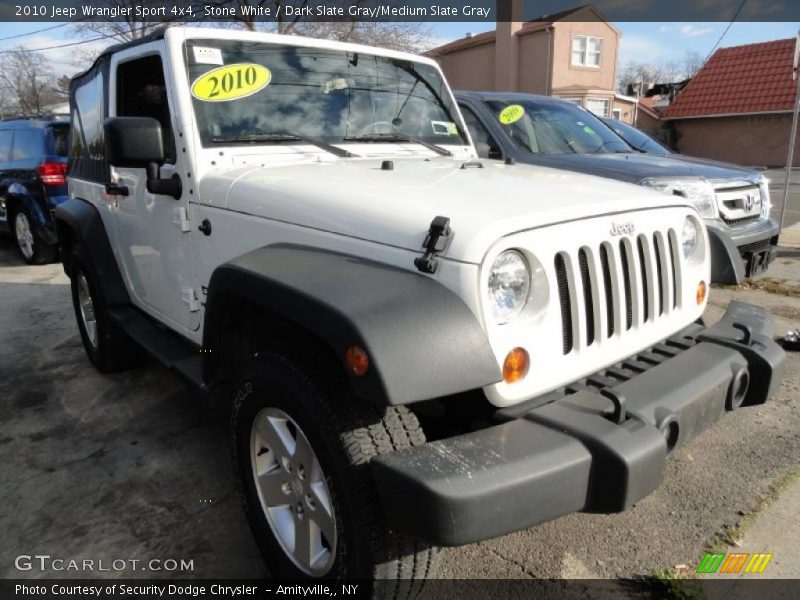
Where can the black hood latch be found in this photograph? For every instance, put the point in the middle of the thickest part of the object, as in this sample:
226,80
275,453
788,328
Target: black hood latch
438,237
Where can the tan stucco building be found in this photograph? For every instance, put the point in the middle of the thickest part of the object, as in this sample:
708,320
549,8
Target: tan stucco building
571,55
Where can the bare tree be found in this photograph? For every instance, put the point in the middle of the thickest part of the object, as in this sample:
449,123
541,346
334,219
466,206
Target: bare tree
691,63
124,28
252,15
641,75
61,88
26,81
410,37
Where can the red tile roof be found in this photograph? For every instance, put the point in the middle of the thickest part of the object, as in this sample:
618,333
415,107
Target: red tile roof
755,78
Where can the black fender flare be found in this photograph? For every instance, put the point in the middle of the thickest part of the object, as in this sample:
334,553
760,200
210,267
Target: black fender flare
81,220
422,341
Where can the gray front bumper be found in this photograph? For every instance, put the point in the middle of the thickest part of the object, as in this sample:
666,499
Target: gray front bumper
598,449
729,245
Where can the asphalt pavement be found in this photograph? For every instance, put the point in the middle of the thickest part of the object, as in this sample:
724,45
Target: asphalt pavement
137,465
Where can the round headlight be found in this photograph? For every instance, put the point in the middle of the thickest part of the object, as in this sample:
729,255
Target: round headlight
689,237
509,285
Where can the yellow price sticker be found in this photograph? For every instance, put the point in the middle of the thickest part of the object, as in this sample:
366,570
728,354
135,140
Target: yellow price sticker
231,82
511,114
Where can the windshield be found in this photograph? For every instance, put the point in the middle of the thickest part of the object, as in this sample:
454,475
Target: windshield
555,128
638,139
246,89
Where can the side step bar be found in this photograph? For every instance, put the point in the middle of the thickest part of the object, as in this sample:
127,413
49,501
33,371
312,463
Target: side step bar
168,348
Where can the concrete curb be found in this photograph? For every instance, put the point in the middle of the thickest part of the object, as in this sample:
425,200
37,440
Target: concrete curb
776,532
790,236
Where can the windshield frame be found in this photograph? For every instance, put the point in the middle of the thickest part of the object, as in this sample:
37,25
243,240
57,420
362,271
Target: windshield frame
592,120
445,99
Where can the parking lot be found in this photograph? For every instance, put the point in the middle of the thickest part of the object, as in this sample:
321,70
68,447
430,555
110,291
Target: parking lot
136,465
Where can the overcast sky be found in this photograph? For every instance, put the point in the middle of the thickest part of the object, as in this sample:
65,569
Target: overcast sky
641,42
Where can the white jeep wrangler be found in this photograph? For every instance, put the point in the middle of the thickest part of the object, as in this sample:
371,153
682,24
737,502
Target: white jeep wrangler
304,225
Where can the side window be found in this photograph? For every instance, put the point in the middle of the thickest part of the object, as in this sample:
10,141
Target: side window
5,145
27,145
142,92
58,140
88,118
485,144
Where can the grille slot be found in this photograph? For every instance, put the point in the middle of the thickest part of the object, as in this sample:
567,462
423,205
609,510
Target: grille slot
626,276
659,277
647,277
610,304
611,289
565,302
674,258
588,302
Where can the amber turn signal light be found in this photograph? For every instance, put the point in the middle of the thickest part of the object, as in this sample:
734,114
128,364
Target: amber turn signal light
701,292
516,364
357,360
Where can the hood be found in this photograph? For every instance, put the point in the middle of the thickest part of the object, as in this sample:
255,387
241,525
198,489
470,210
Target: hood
357,198
633,167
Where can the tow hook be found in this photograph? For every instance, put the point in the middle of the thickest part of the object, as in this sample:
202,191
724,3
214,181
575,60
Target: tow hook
737,390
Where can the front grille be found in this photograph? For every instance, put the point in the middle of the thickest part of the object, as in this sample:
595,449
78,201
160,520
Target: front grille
740,204
641,283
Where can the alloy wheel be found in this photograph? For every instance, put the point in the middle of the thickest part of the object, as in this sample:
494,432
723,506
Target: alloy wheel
293,491
87,309
22,229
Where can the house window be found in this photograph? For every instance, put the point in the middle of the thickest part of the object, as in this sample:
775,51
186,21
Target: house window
586,51
598,106
577,101
617,112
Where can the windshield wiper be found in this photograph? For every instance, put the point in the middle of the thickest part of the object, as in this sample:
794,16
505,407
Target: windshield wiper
283,136
397,137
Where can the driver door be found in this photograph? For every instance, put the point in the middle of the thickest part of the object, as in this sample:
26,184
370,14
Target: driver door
153,232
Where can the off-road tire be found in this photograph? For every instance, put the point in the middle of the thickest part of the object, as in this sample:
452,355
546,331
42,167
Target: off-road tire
114,351
41,252
345,433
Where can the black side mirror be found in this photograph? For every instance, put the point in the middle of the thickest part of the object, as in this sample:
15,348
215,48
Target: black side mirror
138,142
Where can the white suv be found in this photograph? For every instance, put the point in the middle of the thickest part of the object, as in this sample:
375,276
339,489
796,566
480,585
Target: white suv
303,227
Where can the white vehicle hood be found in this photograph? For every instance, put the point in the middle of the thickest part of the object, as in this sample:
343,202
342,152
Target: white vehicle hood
356,198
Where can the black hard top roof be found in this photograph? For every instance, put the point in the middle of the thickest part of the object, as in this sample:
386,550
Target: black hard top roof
156,34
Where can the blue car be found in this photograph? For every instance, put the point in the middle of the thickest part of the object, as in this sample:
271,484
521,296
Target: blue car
33,172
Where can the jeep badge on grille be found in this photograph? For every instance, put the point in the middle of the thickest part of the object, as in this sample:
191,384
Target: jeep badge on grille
626,228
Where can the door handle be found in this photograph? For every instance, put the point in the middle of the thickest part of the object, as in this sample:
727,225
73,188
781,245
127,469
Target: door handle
116,189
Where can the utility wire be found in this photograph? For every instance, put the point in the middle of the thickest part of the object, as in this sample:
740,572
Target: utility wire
94,39
19,35
724,33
